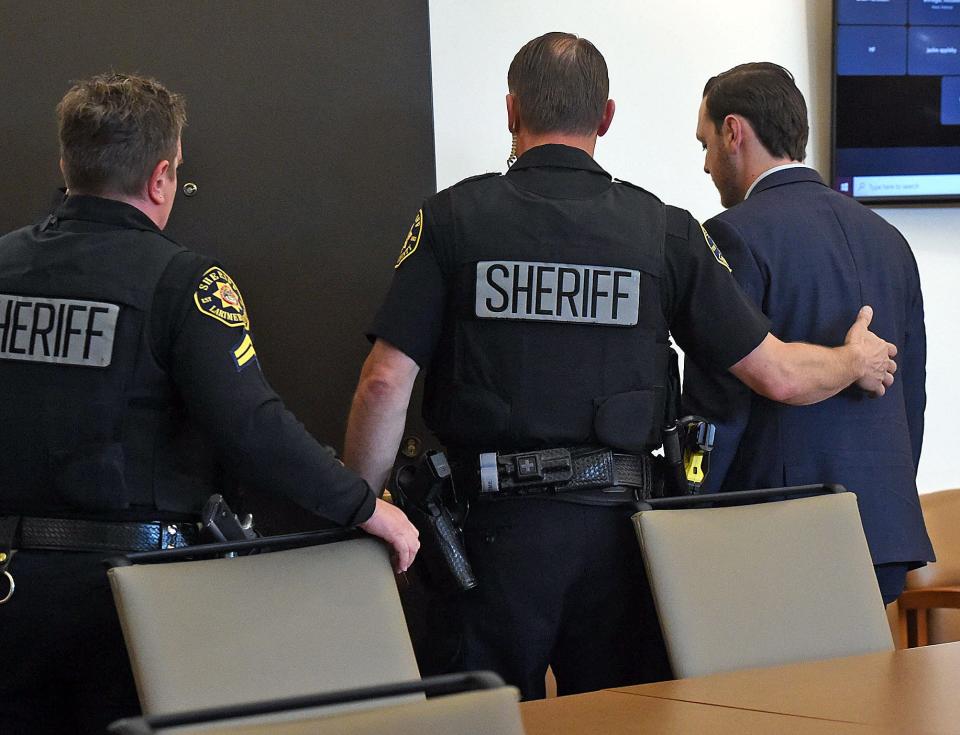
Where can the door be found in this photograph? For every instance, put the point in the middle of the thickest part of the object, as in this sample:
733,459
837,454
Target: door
309,142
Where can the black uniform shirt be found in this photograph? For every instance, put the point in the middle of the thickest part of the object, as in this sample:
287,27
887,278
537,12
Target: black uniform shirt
213,364
707,313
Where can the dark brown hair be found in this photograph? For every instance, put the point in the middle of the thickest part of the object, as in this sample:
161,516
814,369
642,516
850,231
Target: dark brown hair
114,129
560,84
767,96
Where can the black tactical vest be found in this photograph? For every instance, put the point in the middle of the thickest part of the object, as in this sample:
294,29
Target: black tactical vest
556,336
91,422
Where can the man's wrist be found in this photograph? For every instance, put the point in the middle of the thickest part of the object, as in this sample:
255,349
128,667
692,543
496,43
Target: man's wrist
855,362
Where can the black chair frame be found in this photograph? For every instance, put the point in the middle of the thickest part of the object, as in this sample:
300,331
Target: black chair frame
433,686
251,546
741,497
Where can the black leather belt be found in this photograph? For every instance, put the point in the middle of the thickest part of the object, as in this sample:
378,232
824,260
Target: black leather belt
79,535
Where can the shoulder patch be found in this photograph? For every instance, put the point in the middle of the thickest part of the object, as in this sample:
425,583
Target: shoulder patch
218,297
413,239
477,178
715,250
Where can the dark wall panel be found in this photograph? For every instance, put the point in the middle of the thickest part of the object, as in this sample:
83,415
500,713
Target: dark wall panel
310,139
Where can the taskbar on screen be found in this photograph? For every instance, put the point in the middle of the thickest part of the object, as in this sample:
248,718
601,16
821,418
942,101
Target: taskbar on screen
900,187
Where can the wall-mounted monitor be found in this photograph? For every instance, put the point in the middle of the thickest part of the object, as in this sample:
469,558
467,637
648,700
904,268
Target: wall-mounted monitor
896,100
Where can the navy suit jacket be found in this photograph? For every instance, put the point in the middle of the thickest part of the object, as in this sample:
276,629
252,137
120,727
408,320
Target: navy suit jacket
810,257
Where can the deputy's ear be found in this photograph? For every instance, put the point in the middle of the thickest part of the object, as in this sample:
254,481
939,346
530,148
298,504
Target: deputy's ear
512,113
156,188
607,119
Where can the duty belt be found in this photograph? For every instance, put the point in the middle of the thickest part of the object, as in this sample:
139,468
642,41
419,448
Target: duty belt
562,470
66,534
81,535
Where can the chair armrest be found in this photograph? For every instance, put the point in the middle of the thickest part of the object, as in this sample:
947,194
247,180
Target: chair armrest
930,597
919,601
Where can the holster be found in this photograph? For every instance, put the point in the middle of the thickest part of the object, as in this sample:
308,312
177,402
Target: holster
687,443
422,491
441,548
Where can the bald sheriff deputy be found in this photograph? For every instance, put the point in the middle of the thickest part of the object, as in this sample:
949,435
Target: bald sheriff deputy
541,303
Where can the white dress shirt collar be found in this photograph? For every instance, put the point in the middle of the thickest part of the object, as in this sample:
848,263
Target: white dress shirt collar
769,171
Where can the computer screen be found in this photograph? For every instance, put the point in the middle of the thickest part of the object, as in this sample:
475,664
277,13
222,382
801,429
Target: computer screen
896,111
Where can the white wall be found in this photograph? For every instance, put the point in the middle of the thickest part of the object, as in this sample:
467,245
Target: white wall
660,54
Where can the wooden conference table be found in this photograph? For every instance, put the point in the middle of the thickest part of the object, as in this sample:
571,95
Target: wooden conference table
915,691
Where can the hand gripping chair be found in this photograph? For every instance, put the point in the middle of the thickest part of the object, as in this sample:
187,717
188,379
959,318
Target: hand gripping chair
472,704
211,632
932,596
759,580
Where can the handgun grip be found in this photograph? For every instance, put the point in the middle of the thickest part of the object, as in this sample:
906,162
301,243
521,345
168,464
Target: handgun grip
220,523
451,547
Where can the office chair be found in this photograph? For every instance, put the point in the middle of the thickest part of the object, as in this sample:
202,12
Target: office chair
931,601
476,703
221,631
759,580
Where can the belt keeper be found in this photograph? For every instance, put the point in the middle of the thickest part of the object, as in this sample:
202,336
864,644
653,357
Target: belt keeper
8,533
489,481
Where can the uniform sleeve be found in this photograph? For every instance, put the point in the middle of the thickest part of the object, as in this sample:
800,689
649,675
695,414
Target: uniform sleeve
710,316
716,394
411,316
207,347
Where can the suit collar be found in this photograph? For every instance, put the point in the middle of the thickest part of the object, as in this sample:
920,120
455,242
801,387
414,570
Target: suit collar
787,176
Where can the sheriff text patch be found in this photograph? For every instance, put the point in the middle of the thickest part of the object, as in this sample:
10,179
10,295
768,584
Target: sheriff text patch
62,331
558,292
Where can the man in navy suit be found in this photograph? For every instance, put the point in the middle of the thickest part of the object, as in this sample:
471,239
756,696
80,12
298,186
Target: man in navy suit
809,257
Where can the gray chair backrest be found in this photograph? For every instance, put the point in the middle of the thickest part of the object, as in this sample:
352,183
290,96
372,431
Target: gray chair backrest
482,712
225,631
761,585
